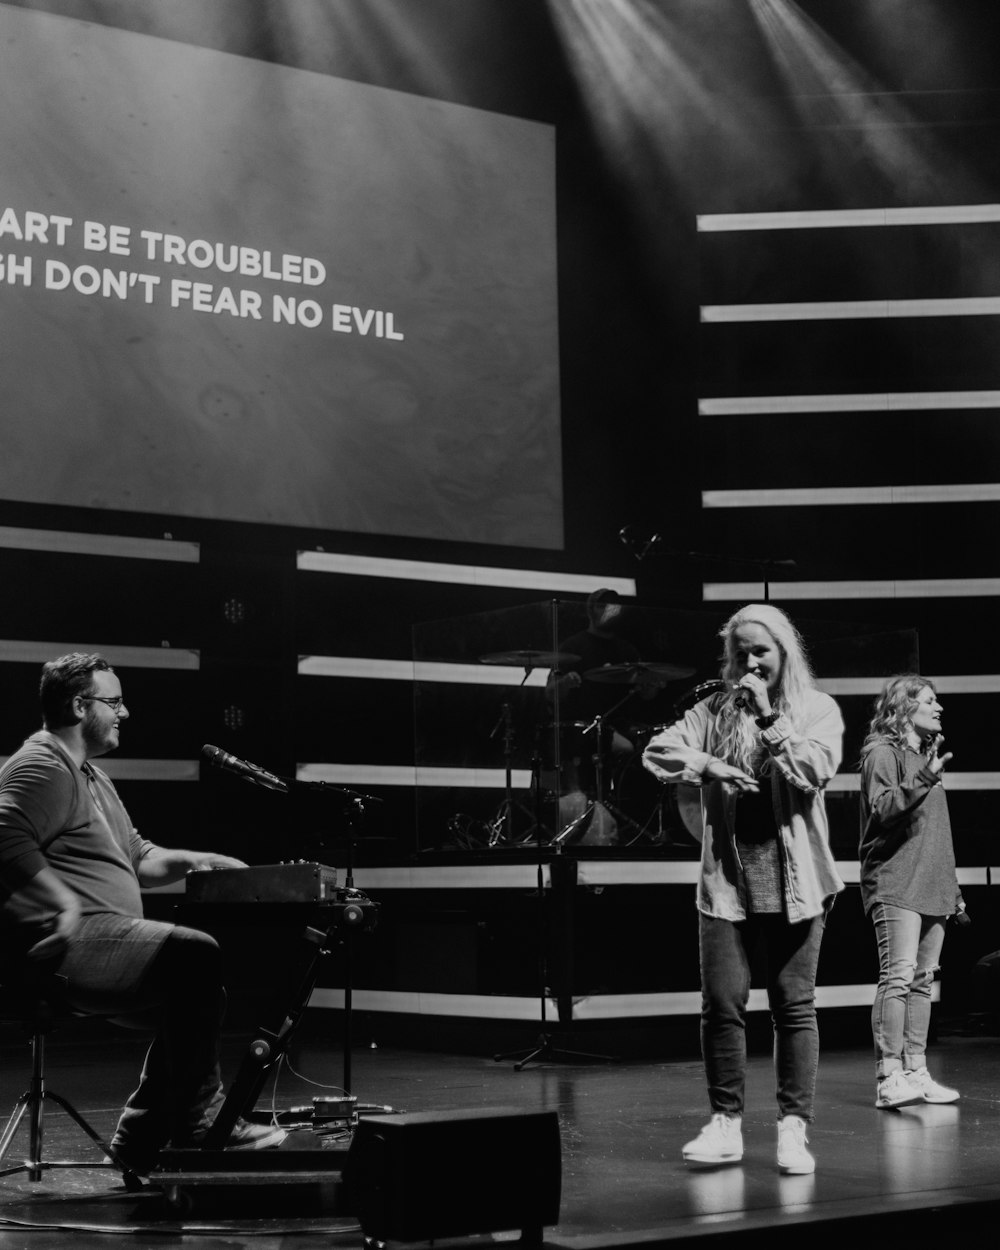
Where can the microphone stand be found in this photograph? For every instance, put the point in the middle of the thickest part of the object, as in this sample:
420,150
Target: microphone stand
543,1050
355,812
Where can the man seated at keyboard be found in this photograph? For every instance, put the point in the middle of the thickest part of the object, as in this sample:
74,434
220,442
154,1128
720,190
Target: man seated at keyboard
71,870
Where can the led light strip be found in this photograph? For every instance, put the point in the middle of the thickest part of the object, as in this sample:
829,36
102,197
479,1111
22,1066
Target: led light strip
15,651
501,675
943,215
144,770
418,1003
454,877
876,401
419,670
688,1003
955,683
851,782
495,778
412,775
924,588
462,574
849,310
119,545
853,496
593,1007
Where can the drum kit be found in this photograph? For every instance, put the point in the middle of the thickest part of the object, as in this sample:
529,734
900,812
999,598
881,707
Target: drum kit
611,800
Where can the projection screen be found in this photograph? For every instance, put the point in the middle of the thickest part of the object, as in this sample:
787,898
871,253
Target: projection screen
235,290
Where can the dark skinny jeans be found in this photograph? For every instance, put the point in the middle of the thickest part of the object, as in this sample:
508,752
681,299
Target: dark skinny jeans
792,952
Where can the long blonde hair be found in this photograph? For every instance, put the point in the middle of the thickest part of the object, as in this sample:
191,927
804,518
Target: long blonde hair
738,739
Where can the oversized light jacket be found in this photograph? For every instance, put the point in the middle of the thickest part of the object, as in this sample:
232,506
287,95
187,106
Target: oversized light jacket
802,761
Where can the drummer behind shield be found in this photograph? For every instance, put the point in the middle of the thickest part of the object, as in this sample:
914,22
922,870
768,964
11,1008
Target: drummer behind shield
597,646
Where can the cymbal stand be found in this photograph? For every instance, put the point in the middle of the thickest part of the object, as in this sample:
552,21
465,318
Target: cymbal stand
502,826
598,801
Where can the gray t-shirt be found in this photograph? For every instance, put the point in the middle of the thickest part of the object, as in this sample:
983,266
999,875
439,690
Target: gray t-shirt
72,820
907,855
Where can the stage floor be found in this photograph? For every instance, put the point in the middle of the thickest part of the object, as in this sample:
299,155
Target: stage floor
934,1171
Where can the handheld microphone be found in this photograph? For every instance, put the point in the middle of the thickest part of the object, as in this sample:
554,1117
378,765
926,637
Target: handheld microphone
249,772
743,698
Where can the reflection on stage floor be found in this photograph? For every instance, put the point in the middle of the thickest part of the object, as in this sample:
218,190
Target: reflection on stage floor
929,1168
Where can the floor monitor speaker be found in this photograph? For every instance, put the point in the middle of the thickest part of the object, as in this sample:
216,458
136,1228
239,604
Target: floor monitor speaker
425,1175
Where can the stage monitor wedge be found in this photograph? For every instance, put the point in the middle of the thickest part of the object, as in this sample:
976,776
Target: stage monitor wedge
425,1175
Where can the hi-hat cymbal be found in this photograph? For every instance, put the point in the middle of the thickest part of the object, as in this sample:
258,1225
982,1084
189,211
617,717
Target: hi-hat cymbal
531,659
633,674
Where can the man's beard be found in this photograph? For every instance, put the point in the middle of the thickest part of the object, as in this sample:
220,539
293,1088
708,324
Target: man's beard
96,740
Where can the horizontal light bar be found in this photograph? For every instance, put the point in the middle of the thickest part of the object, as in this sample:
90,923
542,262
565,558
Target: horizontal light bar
354,666
500,675
593,1007
419,670
885,401
851,782
150,770
921,588
500,875
853,496
840,686
852,310
121,546
849,872
688,1002
412,775
16,651
941,215
454,877
669,872
418,1003
461,574
976,876
495,779
145,770
971,781
955,683
968,683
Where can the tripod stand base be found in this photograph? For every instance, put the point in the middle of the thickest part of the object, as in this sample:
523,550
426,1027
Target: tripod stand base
544,1052
600,823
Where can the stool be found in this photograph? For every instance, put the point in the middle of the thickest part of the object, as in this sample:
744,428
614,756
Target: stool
38,1004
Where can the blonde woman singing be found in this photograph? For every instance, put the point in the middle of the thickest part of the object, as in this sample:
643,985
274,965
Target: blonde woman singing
763,750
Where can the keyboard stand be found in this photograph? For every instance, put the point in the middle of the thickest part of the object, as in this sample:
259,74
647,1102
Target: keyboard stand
210,1163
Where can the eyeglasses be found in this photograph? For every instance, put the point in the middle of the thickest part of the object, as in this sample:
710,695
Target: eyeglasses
115,702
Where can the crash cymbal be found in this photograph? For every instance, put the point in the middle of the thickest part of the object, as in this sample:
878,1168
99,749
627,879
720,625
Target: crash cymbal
634,674
531,659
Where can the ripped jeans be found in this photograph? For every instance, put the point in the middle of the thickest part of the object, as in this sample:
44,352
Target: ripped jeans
909,947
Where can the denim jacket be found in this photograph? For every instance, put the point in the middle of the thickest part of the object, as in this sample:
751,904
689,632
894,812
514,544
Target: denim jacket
803,759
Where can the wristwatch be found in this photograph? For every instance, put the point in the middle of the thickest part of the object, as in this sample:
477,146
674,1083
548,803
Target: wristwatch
765,722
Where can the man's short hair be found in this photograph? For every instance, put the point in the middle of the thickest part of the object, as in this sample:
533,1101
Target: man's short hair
62,680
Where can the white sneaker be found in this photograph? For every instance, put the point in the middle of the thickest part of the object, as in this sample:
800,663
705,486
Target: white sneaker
793,1158
895,1090
929,1090
720,1141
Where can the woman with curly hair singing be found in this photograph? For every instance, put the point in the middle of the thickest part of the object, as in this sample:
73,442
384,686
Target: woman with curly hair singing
908,881
763,750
